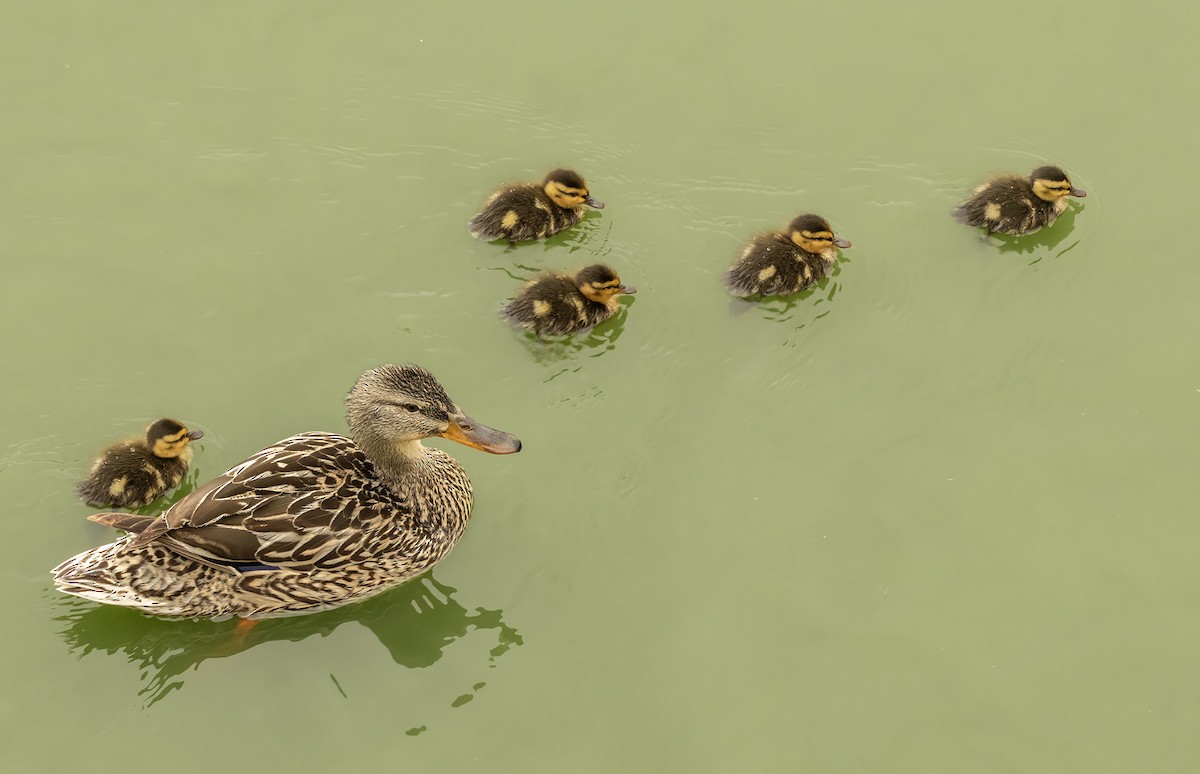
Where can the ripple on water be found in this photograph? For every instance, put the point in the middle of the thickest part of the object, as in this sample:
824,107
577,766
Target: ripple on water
505,114
702,202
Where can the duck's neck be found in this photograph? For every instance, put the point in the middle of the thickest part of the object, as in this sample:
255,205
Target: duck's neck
395,461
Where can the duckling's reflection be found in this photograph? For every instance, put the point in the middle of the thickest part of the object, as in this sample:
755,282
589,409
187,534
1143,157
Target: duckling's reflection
1045,240
594,342
783,308
573,239
584,235
415,622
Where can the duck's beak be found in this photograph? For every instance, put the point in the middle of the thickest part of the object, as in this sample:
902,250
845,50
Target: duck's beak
627,289
195,435
477,435
1078,192
591,202
842,243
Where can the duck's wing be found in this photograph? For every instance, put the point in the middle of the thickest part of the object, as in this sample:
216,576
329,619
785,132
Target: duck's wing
130,522
303,503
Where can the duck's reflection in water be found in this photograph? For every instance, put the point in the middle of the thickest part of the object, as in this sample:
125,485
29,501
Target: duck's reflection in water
593,342
810,302
1046,240
415,622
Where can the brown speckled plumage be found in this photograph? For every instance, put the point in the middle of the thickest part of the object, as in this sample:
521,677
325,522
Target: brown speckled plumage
306,524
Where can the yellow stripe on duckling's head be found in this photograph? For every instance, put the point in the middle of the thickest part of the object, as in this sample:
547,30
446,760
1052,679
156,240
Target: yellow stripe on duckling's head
813,234
1051,184
569,190
168,438
600,283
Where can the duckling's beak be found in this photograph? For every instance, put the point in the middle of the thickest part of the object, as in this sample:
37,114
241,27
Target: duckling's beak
477,435
627,289
842,243
195,435
1078,192
591,202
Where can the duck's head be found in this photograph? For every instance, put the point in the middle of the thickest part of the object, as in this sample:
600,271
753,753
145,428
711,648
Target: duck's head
168,438
1052,184
813,234
600,283
400,404
568,190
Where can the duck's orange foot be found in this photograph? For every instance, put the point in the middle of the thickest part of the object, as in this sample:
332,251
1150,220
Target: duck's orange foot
244,625
235,644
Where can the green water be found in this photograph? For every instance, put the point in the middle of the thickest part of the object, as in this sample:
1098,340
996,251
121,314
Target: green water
932,516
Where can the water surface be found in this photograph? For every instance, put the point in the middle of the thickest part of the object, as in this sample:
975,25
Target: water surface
931,515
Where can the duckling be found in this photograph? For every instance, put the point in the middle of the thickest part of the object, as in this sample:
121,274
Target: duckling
522,211
136,472
559,304
785,262
1013,205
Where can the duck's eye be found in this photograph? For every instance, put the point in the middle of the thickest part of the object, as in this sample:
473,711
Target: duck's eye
412,407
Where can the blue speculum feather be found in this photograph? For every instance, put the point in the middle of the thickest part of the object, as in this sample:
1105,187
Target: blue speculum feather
249,566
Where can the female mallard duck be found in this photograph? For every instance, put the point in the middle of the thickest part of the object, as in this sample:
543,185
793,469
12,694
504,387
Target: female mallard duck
1014,205
137,472
558,304
313,522
785,262
524,211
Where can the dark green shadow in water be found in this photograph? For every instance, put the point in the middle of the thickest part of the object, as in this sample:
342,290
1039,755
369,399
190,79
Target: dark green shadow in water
800,308
593,342
1045,242
573,239
414,622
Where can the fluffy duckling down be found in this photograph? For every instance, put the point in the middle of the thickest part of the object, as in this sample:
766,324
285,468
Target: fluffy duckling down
785,262
138,471
559,304
1015,205
524,211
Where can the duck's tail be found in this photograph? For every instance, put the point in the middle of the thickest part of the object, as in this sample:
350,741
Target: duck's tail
114,575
